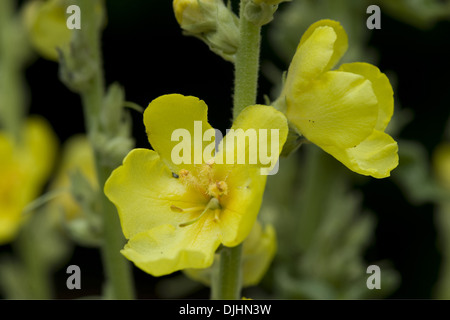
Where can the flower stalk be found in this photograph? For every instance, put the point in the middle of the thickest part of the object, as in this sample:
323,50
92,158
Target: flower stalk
247,63
227,283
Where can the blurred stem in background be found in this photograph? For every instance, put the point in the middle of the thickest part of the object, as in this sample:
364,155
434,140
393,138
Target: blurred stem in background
14,54
442,290
37,248
108,131
324,233
441,171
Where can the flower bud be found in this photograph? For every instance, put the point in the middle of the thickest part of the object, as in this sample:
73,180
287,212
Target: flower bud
194,12
212,22
45,22
261,12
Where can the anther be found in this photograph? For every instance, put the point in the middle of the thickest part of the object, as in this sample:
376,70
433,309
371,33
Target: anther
217,189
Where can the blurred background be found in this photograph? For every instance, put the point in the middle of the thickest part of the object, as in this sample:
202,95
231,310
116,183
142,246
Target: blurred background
331,223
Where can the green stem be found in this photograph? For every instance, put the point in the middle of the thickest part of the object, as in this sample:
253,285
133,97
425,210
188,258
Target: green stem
247,63
37,274
117,268
14,53
228,279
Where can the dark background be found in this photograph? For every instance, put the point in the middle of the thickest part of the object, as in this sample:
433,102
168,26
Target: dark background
145,52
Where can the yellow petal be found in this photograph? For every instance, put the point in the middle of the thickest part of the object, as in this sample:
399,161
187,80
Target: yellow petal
175,114
40,148
381,87
145,191
340,42
320,48
12,197
241,206
256,138
24,169
258,252
166,249
246,182
376,156
338,109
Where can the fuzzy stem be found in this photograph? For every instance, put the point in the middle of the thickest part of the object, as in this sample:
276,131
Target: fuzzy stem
118,272
247,63
227,280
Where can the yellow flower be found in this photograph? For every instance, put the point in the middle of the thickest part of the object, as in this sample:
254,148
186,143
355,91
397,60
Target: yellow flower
45,22
346,111
258,251
76,155
75,207
441,159
24,169
176,215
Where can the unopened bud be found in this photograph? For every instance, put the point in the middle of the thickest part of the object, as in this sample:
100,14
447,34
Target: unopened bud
212,22
45,22
261,12
193,12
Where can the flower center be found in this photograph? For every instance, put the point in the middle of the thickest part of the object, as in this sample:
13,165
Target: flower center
204,182
213,204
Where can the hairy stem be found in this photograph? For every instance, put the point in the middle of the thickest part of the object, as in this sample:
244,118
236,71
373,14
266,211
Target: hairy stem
118,272
247,63
227,280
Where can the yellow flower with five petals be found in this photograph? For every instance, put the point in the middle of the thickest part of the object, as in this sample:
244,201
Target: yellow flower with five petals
343,111
176,215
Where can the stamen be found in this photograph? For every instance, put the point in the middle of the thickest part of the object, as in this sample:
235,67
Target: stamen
213,204
183,173
189,179
218,189
178,209
216,216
